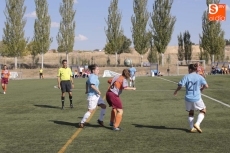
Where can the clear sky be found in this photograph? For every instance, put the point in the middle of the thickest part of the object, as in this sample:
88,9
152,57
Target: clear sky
91,14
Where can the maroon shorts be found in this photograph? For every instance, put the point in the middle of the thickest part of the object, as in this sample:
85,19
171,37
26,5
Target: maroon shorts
4,81
113,100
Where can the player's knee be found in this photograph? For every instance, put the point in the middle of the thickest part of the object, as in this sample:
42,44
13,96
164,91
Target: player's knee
120,111
203,111
90,111
191,113
103,106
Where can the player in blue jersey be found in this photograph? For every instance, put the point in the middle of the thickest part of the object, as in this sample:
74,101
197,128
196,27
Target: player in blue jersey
132,71
93,96
194,84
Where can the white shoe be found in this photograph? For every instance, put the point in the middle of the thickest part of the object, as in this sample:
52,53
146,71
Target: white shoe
4,92
198,128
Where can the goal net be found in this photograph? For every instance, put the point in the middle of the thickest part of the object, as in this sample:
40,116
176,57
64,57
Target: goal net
182,66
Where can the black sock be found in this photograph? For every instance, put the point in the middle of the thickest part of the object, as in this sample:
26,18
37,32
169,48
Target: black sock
62,100
70,99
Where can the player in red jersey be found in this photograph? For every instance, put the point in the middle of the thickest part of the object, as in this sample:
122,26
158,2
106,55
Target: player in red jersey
5,74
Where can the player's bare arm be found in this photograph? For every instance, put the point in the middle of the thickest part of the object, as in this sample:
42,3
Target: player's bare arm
94,88
204,87
129,88
59,82
178,88
71,80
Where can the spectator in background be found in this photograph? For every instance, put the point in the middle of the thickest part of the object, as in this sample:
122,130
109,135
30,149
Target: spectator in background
81,71
76,74
213,70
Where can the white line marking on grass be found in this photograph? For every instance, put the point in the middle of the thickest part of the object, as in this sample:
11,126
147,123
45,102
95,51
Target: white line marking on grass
216,100
202,94
74,136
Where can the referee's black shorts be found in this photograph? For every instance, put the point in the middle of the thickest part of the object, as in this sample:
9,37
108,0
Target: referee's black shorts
66,86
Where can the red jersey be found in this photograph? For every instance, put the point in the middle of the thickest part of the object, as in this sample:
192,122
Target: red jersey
5,74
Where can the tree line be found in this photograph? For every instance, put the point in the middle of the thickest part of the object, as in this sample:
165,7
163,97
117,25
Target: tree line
151,31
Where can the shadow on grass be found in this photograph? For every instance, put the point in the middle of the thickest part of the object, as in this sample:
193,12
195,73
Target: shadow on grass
77,126
47,106
159,127
65,123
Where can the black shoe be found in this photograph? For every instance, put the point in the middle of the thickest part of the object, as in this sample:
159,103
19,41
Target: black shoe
62,107
71,105
101,123
81,125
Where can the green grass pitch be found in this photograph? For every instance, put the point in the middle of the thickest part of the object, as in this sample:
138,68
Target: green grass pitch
31,119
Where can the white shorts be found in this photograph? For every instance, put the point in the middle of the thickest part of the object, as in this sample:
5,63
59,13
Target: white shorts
94,100
199,105
132,78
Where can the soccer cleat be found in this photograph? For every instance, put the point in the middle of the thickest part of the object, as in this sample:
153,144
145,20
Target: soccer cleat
71,105
198,128
116,129
193,130
62,107
81,125
100,122
111,124
4,92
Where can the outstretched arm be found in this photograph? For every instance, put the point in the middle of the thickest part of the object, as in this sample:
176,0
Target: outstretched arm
178,88
129,88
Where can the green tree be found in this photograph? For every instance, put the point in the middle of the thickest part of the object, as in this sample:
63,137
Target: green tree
212,37
187,46
66,34
124,48
114,31
31,47
152,56
227,42
13,36
180,54
139,22
162,25
203,55
41,38
2,49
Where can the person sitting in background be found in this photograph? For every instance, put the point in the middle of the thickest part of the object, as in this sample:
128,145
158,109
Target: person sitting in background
159,74
222,69
225,70
213,70
76,74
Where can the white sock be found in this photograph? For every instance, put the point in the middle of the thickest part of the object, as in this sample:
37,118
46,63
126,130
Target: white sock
86,116
200,118
102,114
130,83
190,121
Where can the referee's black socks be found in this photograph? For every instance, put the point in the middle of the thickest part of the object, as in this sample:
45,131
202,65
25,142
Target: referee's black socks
70,99
62,101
